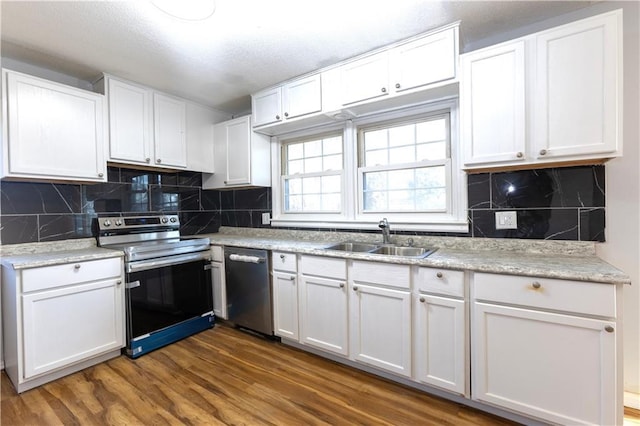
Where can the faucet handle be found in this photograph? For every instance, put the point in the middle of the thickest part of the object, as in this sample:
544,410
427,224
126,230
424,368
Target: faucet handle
383,223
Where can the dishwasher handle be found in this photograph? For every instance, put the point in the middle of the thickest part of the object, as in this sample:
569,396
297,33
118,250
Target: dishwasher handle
246,259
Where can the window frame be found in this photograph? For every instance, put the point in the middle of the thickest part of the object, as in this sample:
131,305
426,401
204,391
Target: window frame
453,220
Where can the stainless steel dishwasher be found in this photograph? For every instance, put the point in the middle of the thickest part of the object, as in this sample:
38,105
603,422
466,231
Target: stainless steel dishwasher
249,289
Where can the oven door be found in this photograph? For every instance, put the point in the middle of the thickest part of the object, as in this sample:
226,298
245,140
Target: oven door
167,292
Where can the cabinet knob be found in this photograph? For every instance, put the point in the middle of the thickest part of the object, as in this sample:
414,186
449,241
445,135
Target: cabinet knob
286,114
536,284
609,329
158,161
384,90
519,155
422,300
397,85
226,182
100,174
341,285
355,288
148,160
543,152
292,278
277,117
76,266
439,275
119,282
282,256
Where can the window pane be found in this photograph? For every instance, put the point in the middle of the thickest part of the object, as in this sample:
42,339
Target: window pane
375,180
293,186
311,185
332,146
432,151
402,155
375,201
313,149
376,158
375,139
294,151
295,167
431,199
431,131
431,177
313,165
402,135
331,184
293,203
331,202
311,202
401,200
332,162
400,179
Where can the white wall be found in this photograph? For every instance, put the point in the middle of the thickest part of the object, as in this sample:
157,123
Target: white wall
622,248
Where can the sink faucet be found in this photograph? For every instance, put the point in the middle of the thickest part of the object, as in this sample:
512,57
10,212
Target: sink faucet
384,226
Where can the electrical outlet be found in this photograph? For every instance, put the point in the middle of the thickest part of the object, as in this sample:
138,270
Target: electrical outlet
266,218
506,220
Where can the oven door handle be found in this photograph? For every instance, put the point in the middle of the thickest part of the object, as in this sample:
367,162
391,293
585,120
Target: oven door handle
145,265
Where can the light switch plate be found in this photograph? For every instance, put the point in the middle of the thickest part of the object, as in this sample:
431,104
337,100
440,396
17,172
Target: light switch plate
266,218
506,220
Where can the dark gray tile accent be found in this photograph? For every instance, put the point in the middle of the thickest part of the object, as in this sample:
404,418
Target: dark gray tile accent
479,191
37,198
592,222
65,227
18,229
174,198
210,199
547,224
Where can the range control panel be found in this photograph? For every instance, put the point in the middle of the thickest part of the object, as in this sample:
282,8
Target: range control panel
138,222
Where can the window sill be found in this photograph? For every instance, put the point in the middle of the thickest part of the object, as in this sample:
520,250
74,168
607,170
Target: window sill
452,226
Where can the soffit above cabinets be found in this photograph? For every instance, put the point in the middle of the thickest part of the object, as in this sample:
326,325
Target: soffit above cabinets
246,45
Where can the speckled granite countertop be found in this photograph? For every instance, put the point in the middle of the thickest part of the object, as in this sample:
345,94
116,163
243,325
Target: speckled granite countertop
563,260
24,256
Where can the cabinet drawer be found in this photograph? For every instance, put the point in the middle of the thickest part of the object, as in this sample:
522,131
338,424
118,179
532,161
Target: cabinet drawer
441,281
284,261
70,273
324,267
382,273
561,295
217,253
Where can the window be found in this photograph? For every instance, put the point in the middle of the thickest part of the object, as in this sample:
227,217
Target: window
404,166
312,175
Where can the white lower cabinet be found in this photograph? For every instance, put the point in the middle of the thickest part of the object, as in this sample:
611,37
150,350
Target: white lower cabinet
380,316
440,341
218,281
59,319
324,321
558,367
285,295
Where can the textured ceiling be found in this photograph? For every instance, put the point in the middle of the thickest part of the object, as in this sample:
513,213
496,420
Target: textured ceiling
245,46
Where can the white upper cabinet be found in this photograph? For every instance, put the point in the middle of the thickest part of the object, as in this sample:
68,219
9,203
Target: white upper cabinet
51,131
199,135
169,121
297,98
578,96
493,108
365,79
553,96
130,118
241,157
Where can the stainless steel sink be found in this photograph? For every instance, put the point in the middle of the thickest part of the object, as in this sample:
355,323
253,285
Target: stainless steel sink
352,246
403,251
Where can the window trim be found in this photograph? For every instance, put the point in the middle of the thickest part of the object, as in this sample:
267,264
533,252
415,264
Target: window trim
455,220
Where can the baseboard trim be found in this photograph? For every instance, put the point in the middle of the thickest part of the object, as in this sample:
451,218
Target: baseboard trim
632,400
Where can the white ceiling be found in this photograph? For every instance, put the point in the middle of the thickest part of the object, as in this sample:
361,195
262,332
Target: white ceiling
245,46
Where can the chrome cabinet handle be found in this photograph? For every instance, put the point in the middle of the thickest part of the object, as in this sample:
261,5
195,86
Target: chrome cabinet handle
277,117
519,155
439,275
536,285
148,160
384,90
158,161
286,114
543,152
100,174
609,329
397,85
341,285
119,282
422,299
355,288
76,266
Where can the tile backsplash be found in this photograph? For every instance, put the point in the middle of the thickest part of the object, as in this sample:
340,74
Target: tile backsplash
559,204
556,204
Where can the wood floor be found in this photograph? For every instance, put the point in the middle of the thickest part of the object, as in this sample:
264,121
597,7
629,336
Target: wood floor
224,376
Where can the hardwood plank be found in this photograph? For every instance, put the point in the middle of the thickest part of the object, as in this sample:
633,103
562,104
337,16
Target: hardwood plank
226,377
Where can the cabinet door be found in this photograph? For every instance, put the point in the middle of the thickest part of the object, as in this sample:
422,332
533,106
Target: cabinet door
285,305
381,328
131,133
54,131
323,314
579,88
440,342
424,61
169,126
267,106
238,137
199,138
70,324
302,97
555,367
365,79
493,105
219,290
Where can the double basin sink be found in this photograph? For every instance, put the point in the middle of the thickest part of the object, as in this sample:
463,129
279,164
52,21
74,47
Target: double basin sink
389,250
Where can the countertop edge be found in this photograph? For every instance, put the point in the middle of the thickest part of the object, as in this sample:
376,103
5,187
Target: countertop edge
35,260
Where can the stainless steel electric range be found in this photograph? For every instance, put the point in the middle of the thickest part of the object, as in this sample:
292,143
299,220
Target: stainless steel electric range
168,279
